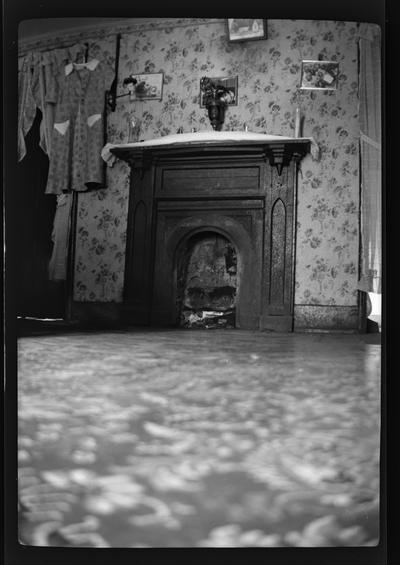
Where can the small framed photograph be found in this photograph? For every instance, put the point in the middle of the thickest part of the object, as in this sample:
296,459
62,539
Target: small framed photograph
146,86
246,29
319,75
230,83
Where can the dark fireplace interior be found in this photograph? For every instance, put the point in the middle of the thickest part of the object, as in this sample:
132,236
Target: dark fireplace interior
207,282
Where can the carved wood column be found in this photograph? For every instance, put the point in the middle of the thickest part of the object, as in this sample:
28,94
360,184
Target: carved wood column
139,243
277,299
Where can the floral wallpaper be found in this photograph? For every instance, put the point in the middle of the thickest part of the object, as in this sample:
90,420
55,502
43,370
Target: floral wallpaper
268,91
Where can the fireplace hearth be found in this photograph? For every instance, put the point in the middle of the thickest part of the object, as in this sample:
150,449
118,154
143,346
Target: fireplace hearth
210,237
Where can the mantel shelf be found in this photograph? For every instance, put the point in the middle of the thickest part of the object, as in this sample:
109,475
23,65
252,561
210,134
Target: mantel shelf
279,150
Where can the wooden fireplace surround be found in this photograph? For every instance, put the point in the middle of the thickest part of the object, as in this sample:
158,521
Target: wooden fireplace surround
245,191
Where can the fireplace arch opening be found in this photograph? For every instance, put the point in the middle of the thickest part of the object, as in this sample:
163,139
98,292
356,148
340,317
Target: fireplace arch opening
207,281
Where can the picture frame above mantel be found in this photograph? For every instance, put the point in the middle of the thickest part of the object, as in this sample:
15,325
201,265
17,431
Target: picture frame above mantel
227,82
246,29
319,75
145,86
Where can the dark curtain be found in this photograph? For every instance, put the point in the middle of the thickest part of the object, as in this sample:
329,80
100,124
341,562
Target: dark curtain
37,296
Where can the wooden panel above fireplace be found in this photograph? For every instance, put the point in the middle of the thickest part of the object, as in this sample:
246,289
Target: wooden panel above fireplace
210,182
245,192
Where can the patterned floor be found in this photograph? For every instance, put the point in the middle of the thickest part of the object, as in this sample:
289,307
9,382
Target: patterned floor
196,438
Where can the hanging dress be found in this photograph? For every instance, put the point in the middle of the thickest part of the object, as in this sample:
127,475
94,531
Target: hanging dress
78,132
44,88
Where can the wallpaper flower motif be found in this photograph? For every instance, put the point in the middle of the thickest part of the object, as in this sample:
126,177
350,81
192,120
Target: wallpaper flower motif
269,79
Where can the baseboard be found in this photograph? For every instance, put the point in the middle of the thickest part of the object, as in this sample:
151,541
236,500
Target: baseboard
105,314
309,317
277,323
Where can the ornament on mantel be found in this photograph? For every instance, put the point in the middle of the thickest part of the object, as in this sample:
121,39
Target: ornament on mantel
215,98
134,124
297,122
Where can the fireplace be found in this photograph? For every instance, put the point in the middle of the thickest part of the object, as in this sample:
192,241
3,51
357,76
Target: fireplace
210,237
207,281
239,222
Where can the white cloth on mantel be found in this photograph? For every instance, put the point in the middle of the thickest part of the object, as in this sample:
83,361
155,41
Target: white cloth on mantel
203,137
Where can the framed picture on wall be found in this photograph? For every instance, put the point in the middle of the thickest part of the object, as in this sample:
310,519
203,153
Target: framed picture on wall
246,29
146,86
228,82
319,75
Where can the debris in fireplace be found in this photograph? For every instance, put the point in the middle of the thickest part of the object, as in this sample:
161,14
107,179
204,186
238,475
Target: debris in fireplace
216,298
230,260
208,319
207,282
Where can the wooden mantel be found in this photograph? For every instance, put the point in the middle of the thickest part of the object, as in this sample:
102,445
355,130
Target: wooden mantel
244,189
279,150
